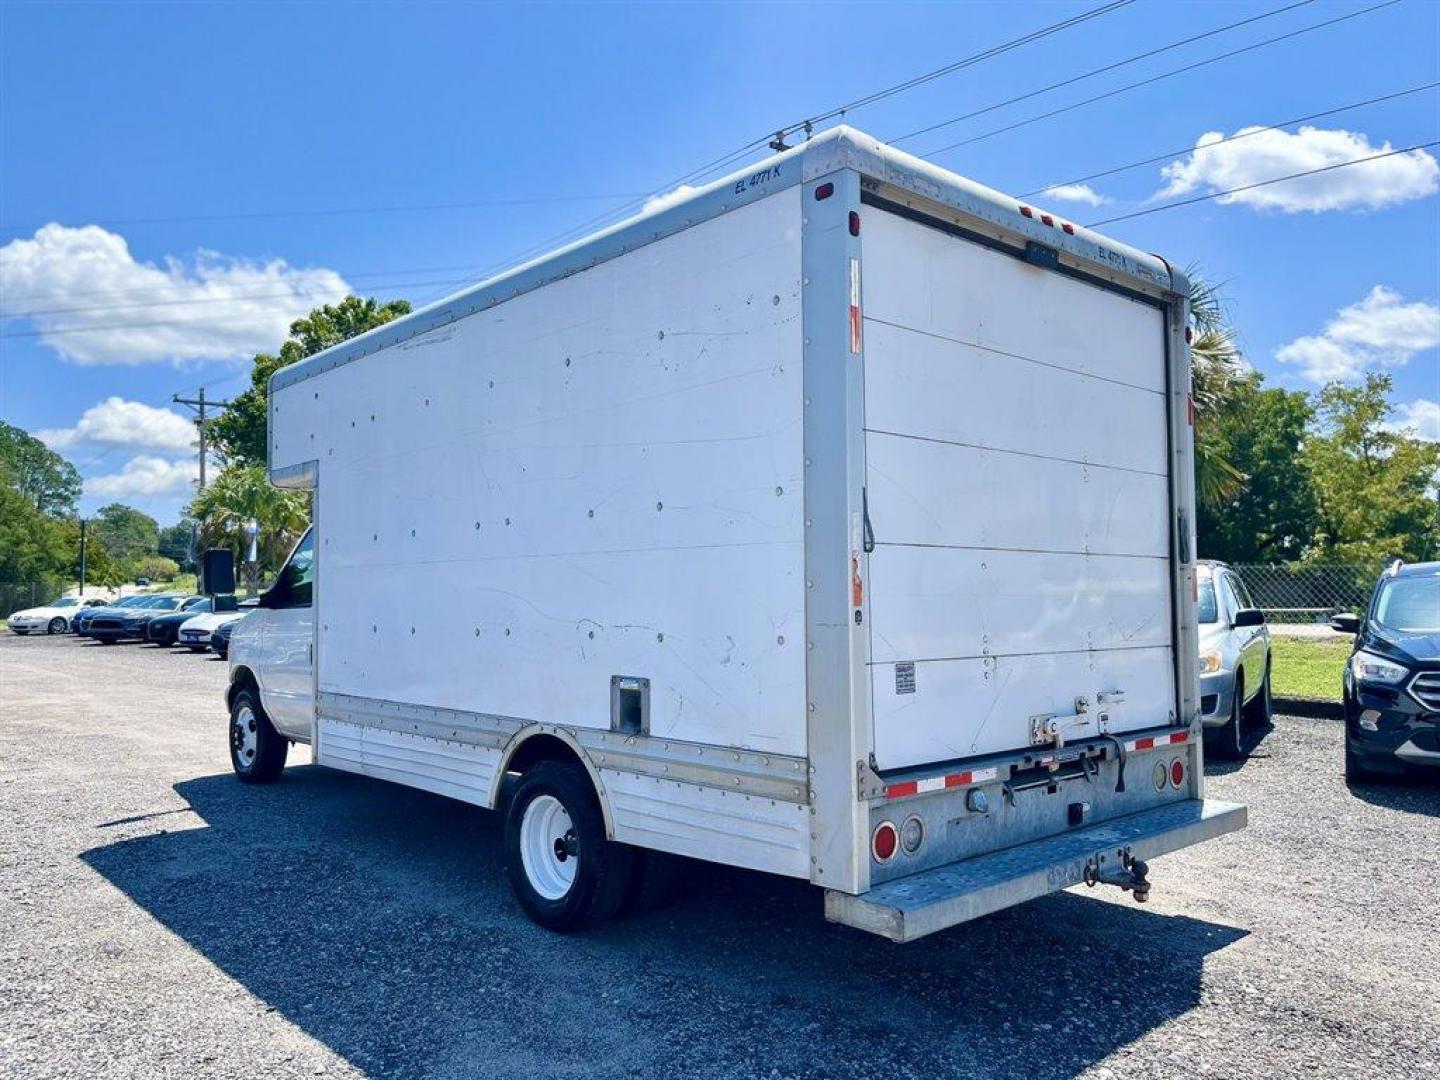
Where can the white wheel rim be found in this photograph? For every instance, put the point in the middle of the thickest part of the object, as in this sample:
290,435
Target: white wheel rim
243,737
549,849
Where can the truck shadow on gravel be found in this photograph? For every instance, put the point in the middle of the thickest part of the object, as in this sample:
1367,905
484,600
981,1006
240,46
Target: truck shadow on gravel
378,920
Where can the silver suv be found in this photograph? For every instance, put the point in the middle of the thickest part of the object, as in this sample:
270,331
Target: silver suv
1234,659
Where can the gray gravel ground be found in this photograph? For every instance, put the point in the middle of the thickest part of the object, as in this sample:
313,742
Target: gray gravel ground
161,920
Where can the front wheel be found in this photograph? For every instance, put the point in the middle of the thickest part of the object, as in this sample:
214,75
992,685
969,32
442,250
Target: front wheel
257,750
1228,742
55,626
565,874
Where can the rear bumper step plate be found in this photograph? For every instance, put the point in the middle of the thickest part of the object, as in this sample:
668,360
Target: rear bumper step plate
911,907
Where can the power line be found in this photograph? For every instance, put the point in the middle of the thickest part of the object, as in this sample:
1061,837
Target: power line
235,298
807,124
1101,70
969,61
1162,76
401,208
153,289
1260,184
1228,138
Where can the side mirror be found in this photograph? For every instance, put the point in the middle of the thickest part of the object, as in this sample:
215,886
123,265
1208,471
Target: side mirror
1250,616
1346,623
217,571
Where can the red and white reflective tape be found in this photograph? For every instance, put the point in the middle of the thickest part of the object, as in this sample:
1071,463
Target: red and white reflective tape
855,306
938,783
1157,741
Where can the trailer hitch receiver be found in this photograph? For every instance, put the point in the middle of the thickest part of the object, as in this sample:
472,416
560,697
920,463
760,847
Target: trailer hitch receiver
1121,870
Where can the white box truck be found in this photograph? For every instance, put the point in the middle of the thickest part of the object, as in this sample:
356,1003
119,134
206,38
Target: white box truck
833,521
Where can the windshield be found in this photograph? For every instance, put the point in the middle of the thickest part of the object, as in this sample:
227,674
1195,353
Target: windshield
1409,605
134,601
1207,610
65,601
165,603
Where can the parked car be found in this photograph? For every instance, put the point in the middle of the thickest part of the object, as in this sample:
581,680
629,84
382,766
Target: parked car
195,633
1392,679
220,639
81,623
1234,659
132,624
142,581
164,629
52,618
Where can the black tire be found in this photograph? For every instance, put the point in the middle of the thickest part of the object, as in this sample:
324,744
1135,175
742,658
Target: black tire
1228,742
257,750
1355,770
55,626
602,868
1261,709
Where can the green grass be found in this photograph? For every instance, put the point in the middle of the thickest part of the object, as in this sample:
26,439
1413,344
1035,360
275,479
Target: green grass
1308,667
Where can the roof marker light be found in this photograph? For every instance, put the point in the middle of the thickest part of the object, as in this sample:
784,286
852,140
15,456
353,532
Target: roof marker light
824,191
1068,228
854,223
1048,220
1027,211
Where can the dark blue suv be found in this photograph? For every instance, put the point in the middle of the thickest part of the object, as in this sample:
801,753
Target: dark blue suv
1392,679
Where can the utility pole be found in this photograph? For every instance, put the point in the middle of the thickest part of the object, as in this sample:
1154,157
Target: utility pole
82,556
200,405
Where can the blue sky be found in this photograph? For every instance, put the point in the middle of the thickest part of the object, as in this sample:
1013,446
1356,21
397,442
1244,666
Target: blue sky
112,116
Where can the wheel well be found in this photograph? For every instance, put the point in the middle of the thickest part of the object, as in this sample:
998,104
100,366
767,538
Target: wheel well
239,679
529,750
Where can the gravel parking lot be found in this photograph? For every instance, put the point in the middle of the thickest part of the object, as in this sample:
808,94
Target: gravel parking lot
163,920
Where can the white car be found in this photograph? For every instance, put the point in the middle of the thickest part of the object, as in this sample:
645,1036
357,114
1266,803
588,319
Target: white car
52,618
195,633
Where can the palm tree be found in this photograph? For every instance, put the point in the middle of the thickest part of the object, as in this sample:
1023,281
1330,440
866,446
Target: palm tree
241,494
1215,367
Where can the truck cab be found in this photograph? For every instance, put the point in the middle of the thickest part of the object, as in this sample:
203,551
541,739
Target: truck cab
272,649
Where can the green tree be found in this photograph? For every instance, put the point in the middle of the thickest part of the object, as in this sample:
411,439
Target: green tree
238,434
1215,370
126,533
174,542
241,494
48,481
1375,485
1271,515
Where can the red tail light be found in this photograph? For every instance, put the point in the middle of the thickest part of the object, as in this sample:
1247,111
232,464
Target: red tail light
824,191
883,841
1177,772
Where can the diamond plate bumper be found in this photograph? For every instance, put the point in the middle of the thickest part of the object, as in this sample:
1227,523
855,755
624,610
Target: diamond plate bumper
911,907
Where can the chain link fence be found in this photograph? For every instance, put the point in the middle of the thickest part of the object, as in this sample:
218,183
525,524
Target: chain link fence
1299,594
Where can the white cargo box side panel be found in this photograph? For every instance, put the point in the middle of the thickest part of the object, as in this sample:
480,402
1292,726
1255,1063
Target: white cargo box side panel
599,477
1016,457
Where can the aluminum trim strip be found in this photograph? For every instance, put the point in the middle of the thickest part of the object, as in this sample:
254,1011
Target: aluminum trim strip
746,772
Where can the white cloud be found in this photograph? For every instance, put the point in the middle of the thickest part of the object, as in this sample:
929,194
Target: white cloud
1421,417
117,422
95,304
1217,166
1077,193
1380,331
145,474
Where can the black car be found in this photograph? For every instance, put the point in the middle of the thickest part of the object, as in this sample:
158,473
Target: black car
164,629
1392,679
220,639
81,623
109,625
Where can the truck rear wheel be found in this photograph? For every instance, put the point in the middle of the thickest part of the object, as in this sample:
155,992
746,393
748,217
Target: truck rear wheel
257,750
565,874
